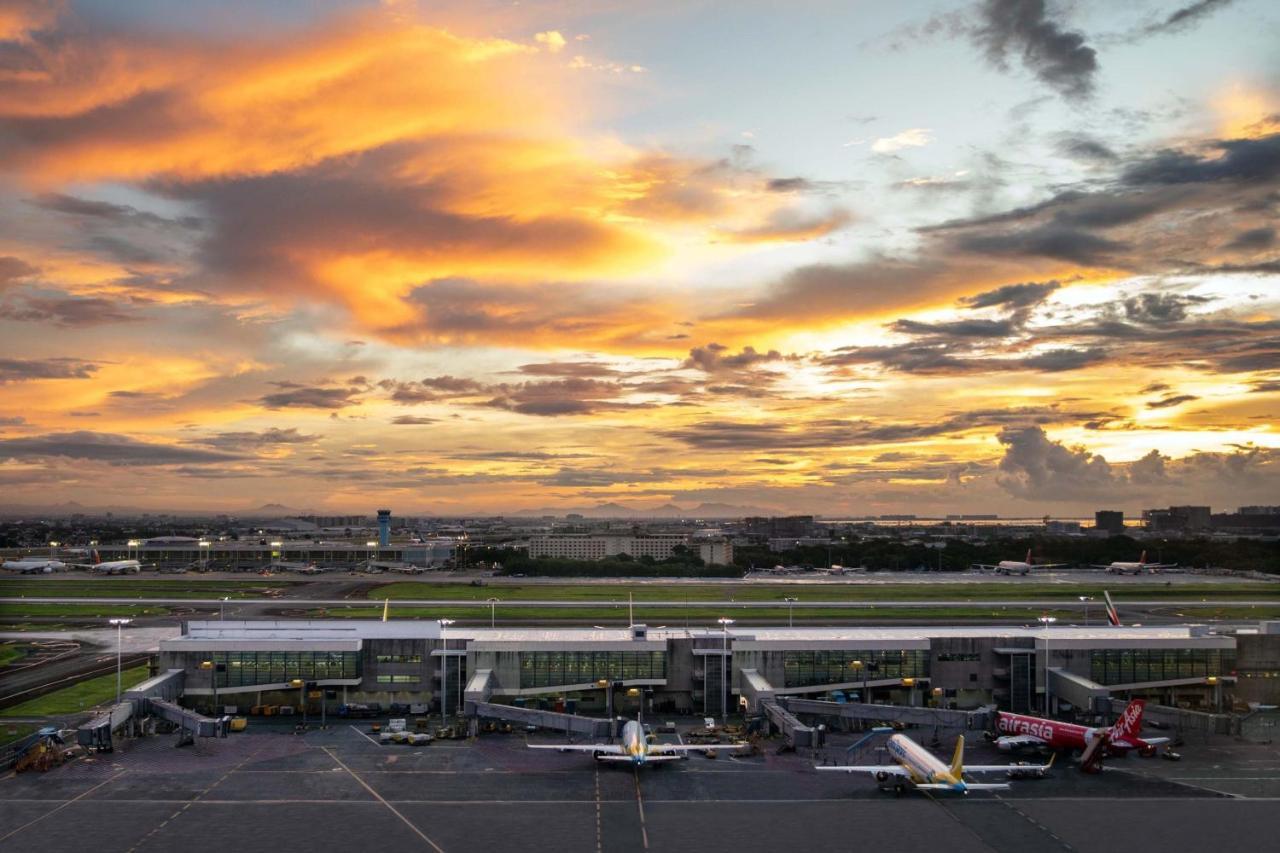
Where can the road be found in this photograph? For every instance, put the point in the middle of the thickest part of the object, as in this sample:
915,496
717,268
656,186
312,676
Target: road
598,603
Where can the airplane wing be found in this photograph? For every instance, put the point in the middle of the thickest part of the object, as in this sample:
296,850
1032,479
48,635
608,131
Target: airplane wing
602,749
647,759
1006,768
1020,740
873,769
663,748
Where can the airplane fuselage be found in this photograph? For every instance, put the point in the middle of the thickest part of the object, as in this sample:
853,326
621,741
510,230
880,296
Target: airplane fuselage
27,567
922,766
1057,735
634,743
118,567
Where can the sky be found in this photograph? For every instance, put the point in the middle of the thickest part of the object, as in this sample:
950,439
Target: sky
846,258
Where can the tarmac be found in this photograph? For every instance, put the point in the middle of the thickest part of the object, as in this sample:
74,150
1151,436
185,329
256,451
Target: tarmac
270,790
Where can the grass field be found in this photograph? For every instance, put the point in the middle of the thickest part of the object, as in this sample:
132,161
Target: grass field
18,610
9,732
692,615
11,653
77,697
851,592
138,588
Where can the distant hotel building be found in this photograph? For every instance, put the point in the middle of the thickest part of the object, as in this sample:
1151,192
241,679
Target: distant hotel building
659,546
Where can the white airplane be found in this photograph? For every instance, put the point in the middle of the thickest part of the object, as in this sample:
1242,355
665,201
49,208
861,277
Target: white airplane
34,565
918,768
1122,568
635,748
114,567
1019,567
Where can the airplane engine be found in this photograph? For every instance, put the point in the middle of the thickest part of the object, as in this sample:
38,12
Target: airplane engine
882,776
1148,751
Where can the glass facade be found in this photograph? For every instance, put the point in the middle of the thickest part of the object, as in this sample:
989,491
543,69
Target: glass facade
804,669
399,658
246,669
399,679
1126,666
551,669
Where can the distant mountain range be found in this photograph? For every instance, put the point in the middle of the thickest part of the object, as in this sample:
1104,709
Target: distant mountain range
617,510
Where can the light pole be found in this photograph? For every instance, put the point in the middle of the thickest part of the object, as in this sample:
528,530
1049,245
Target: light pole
444,670
371,549
213,682
725,622
302,698
131,546
860,667
53,550
119,623
222,607
493,609
1085,599
790,600
204,554
1046,621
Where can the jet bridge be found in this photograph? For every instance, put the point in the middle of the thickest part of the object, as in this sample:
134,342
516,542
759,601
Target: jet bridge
796,732
153,697
591,727
966,720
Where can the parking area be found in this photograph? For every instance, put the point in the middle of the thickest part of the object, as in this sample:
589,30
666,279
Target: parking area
268,790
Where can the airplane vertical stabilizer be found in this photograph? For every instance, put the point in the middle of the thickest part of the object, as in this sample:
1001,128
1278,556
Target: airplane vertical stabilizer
957,759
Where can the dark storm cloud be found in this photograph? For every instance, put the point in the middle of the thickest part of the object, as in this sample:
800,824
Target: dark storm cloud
714,358
788,185
1024,295
1254,160
109,448
1253,240
271,437
12,269
452,384
27,369
413,420
1158,309
720,435
1022,29
571,396
293,395
1183,18
1086,148
1047,241
1038,468
1171,401
958,328
103,210
569,368
72,311
854,288
1059,360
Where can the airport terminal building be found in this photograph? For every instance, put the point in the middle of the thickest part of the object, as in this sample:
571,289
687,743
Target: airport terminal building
711,671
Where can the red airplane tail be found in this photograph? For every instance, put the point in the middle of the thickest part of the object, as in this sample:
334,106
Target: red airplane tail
96,558
1028,560
1142,561
1129,726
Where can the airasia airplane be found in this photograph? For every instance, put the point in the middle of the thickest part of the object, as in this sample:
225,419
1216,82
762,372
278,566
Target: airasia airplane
1017,730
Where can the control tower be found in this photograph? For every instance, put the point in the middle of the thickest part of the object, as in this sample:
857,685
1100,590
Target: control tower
384,528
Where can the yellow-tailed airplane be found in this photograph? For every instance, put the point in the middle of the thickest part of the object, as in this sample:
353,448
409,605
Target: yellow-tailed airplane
634,747
918,768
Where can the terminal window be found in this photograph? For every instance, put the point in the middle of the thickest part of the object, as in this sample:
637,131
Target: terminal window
399,679
399,658
1128,666
550,669
802,669
246,669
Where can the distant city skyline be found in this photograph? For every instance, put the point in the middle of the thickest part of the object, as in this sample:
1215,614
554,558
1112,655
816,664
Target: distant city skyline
844,259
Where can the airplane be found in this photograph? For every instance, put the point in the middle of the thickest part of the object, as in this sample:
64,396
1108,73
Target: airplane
918,768
1019,567
34,565
114,567
1122,568
1125,736
635,747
